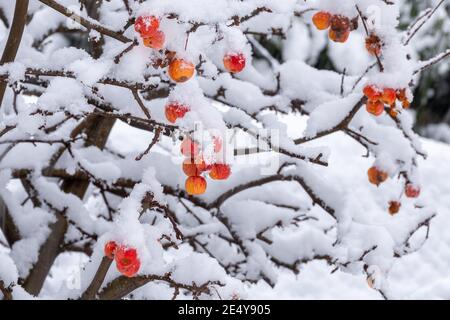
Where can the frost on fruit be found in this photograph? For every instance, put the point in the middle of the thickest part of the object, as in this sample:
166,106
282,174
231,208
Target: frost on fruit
181,70
194,150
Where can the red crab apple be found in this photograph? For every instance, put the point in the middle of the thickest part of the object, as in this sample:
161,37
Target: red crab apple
110,249
156,40
412,191
234,62
375,107
127,261
389,96
372,93
339,28
220,171
192,167
146,25
175,110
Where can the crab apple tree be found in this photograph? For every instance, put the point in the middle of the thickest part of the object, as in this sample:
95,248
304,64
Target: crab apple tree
190,213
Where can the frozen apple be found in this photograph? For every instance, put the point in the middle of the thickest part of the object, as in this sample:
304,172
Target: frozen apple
234,62
373,45
175,110
377,176
412,191
127,261
181,70
155,41
322,20
372,93
195,185
394,207
375,107
220,171
146,25
389,96
110,249
194,167
339,36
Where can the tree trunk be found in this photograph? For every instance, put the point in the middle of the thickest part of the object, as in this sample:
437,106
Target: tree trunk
9,55
97,130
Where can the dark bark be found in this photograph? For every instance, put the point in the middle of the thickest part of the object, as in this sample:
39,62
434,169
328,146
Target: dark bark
9,55
94,287
97,130
47,255
14,38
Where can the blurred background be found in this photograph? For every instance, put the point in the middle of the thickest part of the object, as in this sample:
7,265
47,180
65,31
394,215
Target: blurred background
432,88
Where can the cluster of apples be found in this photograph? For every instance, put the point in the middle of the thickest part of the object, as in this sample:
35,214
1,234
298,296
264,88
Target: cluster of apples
127,260
378,98
148,29
194,166
378,176
180,70
340,26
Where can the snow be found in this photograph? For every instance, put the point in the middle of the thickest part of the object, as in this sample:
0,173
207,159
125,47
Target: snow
419,275
301,220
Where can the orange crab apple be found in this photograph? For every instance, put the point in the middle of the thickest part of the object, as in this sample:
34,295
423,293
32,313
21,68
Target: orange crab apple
194,167
393,112
181,70
195,185
189,148
373,45
110,249
175,110
146,25
406,104
389,96
156,40
394,207
322,20
127,261
375,107
376,176
412,191
220,171
234,62
401,94
372,93
339,36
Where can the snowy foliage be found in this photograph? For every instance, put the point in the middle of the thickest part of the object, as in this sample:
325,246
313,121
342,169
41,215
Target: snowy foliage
84,87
